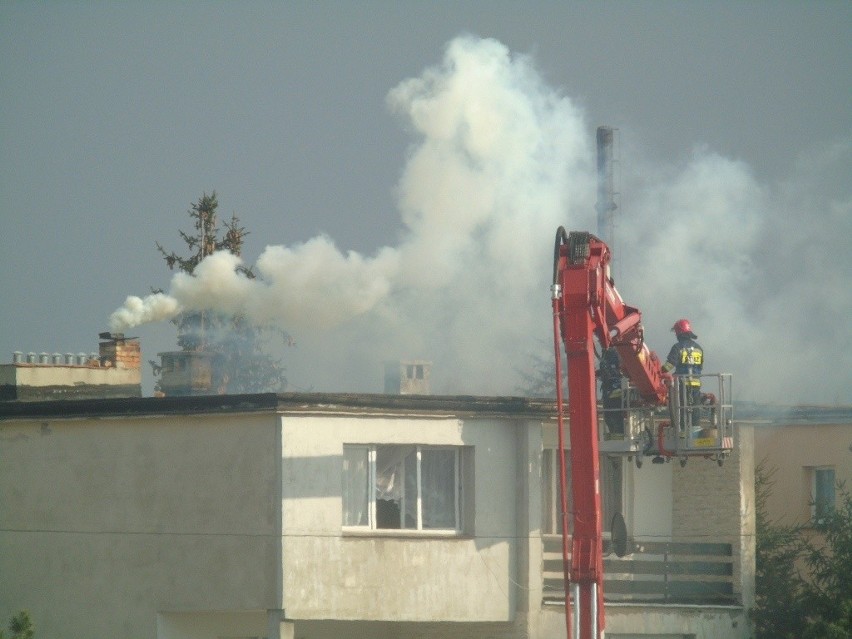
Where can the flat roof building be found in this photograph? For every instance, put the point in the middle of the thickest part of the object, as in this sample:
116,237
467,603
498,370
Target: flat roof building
320,516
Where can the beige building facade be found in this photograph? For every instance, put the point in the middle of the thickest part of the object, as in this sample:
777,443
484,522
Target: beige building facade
318,516
808,453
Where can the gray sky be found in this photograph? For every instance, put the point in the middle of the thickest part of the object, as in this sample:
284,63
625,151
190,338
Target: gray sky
735,150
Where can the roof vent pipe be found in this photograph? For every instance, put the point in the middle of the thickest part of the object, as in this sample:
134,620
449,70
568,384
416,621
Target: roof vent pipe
17,357
43,358
31,358
69,359
81,359
57,359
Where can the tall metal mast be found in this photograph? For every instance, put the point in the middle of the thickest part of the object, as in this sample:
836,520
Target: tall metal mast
605,205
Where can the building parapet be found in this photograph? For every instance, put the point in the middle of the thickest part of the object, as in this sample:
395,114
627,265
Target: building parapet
112,372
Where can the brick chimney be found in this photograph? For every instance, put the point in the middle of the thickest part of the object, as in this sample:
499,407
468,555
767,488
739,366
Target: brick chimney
118,351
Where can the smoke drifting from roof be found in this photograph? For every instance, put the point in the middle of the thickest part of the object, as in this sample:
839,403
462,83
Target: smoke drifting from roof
311,285
499,161
499,158
762,271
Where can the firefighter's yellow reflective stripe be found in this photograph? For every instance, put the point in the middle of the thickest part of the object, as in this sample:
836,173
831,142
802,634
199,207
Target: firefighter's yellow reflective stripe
691,356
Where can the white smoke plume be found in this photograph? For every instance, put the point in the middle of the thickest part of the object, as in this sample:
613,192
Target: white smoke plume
760,270
309,285
499,158
137,310
499,161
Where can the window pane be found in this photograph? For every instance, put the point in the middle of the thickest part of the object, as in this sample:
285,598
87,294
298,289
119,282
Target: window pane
410,501
390,462
548,485
823,492
438,488
355,486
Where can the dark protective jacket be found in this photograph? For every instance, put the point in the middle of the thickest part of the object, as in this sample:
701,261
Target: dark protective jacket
609,372
686,357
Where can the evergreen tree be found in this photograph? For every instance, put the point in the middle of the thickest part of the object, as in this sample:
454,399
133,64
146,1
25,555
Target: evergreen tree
828,597
779,588
538,378
803,581
241,363
20,626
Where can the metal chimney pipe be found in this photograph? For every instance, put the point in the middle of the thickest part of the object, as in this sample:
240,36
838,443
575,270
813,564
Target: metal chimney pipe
605,205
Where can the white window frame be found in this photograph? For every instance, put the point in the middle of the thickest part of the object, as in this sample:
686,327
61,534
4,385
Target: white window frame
372,519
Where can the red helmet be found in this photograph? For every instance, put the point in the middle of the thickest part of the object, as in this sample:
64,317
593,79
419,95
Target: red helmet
682,326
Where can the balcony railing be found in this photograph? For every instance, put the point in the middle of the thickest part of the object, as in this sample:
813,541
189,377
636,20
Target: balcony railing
654,573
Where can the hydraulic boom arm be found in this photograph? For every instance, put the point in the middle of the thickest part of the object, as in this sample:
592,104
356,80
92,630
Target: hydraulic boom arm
581,270
587,305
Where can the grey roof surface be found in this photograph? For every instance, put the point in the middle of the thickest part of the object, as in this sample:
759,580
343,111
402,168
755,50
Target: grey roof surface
769,414
365,403
316,403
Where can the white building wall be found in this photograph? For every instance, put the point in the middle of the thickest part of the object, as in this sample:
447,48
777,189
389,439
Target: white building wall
649,501
47,375
394,575
198,527
104,523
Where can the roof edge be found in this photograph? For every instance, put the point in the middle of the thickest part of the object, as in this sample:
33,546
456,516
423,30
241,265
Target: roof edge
313,403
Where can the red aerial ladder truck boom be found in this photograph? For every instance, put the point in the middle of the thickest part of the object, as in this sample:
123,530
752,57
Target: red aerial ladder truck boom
581,270
586,305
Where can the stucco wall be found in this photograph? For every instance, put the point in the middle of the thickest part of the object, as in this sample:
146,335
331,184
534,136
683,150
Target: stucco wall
386,575
35,382
104,523
35,375
790,450
118,527
648,498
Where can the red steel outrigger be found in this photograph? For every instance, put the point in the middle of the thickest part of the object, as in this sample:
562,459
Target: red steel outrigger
587,305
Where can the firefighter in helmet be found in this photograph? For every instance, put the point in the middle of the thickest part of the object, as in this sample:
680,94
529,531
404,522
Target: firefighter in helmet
686,359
